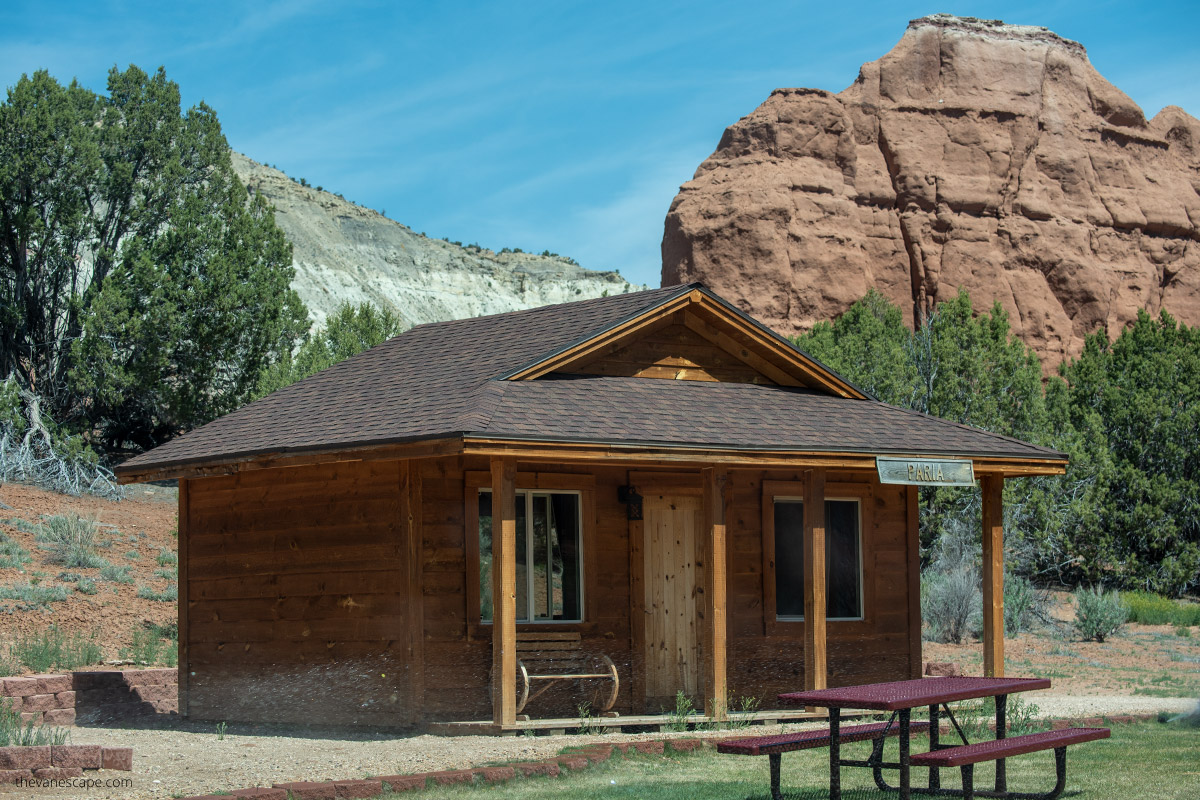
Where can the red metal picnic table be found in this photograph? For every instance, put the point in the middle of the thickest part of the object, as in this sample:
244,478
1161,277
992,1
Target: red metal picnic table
900,697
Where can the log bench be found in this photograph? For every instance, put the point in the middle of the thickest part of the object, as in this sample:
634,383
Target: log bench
551,658
965,757
775,746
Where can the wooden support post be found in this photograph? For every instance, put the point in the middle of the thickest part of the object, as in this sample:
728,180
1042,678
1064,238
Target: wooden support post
815,672
993,575
504,592
916,666
714,480
184,668
413,552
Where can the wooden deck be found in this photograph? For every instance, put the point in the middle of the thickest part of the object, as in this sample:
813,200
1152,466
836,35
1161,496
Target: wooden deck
644,723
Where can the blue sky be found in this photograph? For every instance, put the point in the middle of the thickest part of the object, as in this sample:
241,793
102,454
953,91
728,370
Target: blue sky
542,125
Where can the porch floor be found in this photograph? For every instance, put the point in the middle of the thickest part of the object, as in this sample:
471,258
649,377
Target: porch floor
639,723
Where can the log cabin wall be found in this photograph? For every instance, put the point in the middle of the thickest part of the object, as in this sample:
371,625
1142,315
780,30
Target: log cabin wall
458,649
766,659
295,593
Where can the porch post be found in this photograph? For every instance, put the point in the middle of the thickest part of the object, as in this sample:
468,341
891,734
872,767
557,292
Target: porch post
815,673
993,575
504,592
714,480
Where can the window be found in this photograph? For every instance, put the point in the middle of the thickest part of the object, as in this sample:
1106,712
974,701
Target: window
548,554
843,559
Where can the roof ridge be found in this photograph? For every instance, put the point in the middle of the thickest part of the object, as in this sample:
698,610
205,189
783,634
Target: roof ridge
591,301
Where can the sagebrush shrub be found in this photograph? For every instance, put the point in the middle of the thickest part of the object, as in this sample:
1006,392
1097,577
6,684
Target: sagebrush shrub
951,604
1098,613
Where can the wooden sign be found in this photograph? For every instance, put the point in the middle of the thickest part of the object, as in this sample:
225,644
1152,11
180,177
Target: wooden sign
925,471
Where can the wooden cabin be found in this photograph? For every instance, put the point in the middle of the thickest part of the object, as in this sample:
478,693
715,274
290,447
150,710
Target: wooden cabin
646,479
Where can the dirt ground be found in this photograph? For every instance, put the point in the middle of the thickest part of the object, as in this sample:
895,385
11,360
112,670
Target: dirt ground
1141,660
133,532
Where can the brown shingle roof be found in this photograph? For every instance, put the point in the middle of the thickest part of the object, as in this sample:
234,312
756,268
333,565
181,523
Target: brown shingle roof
441,379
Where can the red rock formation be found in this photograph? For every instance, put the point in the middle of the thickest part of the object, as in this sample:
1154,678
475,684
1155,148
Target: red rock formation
975,154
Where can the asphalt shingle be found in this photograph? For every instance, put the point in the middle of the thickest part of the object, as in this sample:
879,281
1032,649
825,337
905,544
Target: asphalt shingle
442,379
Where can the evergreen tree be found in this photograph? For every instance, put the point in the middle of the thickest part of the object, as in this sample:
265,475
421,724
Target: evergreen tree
350,330
143,293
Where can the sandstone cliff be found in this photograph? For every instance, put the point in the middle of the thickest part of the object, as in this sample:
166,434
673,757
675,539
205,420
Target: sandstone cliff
346,253
975,154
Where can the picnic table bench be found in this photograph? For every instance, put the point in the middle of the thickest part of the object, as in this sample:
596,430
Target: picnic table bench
775,746
965,757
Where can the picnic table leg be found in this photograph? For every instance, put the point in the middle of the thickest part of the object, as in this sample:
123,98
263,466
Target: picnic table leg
905,785
935,777
968,781
1001,732
835,754
776,792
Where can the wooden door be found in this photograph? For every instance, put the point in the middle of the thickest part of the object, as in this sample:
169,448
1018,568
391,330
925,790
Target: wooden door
671,528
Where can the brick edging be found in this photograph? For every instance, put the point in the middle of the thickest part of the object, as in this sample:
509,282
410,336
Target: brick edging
513,770
60,761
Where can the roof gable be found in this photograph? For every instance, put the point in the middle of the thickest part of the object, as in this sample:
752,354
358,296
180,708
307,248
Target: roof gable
693,335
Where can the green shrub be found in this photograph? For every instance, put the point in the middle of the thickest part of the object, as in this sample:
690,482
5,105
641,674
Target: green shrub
1021,605
951,604
149,647
133,555
52,649
169,574
115,574
15,733
167,595
1148,608
86,586
32,595
71,540
12,555
1098,613
166,557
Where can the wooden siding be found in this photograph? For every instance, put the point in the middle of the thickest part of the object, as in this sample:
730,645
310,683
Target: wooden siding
767,657
349,591
458,648
674,352
297,595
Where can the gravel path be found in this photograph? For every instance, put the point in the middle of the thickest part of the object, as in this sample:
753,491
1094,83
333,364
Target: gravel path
190,759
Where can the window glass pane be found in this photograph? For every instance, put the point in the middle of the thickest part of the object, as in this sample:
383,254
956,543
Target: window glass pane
564,511
843,586
542,582
841,559
485,558
789,558
549,583
522,559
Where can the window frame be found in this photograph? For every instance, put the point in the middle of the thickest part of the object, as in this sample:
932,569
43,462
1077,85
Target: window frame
532,483
531,603
773,491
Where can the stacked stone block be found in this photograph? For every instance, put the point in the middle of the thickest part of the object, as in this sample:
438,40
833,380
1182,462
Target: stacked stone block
96,697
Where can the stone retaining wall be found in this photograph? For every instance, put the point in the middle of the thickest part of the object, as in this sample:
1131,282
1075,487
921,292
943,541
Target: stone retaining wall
92,697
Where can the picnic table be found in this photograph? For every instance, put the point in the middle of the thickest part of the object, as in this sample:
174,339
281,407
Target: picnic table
901,697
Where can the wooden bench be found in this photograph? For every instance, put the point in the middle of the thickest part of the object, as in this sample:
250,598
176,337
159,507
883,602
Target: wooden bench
775,746
552,658
967,756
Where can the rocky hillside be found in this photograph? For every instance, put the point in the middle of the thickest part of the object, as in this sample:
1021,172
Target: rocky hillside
344,252
975,154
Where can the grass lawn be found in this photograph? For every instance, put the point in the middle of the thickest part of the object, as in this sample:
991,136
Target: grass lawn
1145,760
